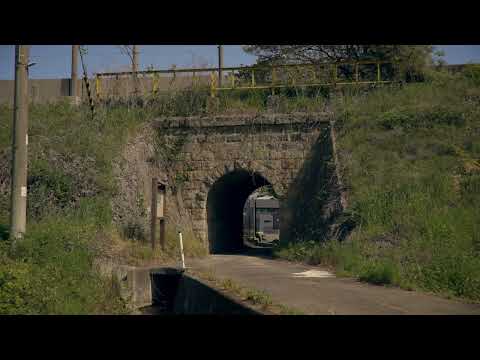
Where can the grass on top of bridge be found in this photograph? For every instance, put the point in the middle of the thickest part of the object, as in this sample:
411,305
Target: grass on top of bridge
410,159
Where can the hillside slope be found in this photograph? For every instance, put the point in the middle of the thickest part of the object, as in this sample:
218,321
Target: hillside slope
410,163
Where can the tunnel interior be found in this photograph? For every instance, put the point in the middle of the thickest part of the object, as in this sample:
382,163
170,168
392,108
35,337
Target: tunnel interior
225,203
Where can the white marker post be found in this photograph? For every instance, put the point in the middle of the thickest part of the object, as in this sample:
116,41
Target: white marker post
181,249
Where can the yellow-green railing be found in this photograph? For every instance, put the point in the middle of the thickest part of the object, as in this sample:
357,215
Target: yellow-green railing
294,75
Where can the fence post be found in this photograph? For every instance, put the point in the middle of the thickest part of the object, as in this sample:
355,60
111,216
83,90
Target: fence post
180,238
212,84
378,72
155,83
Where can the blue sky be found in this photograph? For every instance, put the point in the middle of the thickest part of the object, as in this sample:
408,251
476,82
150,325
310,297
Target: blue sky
53,61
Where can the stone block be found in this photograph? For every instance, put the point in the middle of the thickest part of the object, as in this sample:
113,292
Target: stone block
203,155
232,147
188,204
199,225
275,155
288,163
233,138
201,196
295,137
188,147
198,214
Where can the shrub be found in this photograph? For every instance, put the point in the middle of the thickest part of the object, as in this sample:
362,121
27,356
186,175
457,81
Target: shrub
379,273
472,73
408,118
51,272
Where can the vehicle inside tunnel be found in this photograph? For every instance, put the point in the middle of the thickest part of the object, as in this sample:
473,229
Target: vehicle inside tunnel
225,210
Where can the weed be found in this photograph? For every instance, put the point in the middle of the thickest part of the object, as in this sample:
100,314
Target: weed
258,297
286,310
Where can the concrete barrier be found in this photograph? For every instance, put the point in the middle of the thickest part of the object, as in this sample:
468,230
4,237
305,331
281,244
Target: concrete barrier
166,291
134,284
195,297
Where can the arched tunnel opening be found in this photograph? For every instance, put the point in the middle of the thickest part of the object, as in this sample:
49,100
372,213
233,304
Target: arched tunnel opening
225,210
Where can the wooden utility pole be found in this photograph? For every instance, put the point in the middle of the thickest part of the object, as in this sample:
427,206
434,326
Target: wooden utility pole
18,203
135,68
73,80
220,65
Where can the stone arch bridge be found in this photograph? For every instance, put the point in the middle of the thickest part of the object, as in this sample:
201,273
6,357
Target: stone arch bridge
218,162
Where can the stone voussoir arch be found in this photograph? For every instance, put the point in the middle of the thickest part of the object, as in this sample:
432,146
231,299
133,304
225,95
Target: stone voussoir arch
219,152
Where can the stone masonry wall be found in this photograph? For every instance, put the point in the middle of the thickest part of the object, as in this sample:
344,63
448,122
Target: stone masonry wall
202,150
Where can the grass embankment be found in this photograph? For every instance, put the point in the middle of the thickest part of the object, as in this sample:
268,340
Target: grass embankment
411,165
410,158
70,187
69,214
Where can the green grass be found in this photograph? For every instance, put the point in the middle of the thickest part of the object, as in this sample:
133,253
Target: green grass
286,310
51,271
258,297
411,163
410,160
70,186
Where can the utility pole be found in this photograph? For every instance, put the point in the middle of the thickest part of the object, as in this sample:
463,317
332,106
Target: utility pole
73,80
135,68
220,65
18,204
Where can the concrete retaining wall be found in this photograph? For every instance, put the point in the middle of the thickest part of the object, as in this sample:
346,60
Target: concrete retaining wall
145,288
195,297
42,91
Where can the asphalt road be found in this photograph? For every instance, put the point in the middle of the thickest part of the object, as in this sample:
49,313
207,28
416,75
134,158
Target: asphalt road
313,290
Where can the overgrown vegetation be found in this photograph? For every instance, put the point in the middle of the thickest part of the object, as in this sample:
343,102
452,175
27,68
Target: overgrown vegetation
70,186
69,214
410,156
51,271
410,159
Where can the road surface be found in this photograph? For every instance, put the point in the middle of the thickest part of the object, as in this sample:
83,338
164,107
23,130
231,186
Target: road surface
313,290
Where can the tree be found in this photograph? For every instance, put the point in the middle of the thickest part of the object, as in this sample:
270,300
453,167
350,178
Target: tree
412,59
